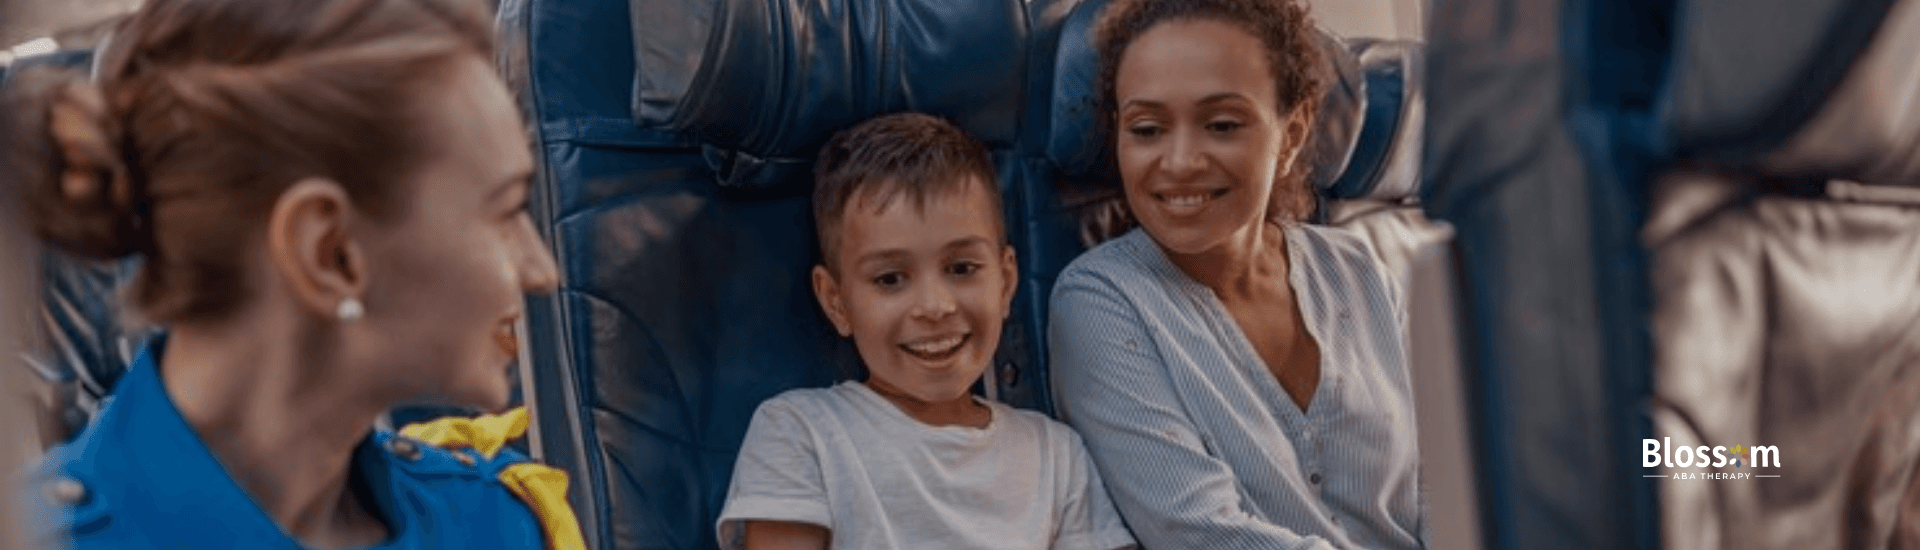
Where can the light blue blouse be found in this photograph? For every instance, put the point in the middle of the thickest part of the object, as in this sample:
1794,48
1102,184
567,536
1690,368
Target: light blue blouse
1198,443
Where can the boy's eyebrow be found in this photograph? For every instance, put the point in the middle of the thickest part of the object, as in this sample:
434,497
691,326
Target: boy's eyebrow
895,254
970,241
880,256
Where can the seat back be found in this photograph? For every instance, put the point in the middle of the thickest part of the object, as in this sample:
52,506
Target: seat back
1649,240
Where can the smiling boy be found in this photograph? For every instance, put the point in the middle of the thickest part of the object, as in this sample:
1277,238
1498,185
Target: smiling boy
915,268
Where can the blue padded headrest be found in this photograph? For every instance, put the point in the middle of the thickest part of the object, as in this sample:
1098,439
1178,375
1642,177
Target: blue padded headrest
1749,73
1072,143
1365,140
669,43
1385,158
776,79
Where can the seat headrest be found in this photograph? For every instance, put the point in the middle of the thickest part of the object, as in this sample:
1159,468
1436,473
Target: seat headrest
1384,160
1748,74
1844,115
776,79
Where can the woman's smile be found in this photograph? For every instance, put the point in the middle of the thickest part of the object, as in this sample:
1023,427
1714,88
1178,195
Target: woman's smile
1187,203
505,337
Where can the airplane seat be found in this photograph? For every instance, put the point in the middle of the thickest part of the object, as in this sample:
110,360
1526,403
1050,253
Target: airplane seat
1784,237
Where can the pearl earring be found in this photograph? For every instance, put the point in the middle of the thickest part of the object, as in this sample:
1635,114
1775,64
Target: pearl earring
350,310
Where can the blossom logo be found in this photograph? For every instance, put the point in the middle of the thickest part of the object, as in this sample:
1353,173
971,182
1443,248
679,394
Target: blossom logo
1661,453
1742,454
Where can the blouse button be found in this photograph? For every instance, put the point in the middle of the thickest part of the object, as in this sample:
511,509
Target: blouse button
66,491
1315,479
404,448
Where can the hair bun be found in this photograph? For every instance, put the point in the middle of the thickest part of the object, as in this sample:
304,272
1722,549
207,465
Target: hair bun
80,195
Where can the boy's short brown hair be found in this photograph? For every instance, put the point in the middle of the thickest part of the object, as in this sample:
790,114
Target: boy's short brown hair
877,160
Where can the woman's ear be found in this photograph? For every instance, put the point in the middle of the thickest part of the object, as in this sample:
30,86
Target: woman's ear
1298,121
309,247
826,288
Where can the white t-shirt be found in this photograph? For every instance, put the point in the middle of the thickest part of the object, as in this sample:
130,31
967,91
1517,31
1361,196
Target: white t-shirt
847,459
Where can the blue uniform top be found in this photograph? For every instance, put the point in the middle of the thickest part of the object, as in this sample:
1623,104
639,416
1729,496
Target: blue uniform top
139,477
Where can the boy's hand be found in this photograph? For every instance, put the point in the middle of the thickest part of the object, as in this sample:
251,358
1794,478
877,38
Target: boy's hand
786,535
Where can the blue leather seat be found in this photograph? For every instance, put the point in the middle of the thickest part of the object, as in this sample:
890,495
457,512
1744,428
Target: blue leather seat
676,140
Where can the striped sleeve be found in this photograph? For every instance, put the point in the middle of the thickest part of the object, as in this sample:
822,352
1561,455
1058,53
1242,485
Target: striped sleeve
1172,493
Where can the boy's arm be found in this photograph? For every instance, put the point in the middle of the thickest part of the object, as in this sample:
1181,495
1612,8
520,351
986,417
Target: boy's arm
1112,385
777,479
786,535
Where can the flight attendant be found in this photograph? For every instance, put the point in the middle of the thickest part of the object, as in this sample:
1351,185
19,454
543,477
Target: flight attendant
329,200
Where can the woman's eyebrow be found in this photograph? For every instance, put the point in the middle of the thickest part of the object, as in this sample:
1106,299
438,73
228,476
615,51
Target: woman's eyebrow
1211,99
1223,97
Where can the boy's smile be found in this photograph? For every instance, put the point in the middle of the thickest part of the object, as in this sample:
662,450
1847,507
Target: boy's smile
923,291
936,349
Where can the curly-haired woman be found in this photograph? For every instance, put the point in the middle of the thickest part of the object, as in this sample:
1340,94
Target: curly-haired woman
1240,377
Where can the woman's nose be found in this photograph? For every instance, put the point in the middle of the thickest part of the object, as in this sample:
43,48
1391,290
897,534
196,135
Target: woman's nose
536,269
1182,159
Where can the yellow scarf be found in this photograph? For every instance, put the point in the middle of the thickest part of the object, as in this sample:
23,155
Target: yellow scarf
542,487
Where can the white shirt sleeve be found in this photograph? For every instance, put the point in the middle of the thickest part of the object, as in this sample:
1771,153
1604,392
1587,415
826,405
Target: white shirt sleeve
777,475
1088,521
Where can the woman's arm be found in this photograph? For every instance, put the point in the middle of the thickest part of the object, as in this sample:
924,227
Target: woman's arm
1112,385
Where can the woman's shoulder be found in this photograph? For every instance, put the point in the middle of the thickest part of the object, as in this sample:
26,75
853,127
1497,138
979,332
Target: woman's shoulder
488,500
460,479
91,492
1123,254
96,490
1338,244
1130,265
1346,258
68,492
